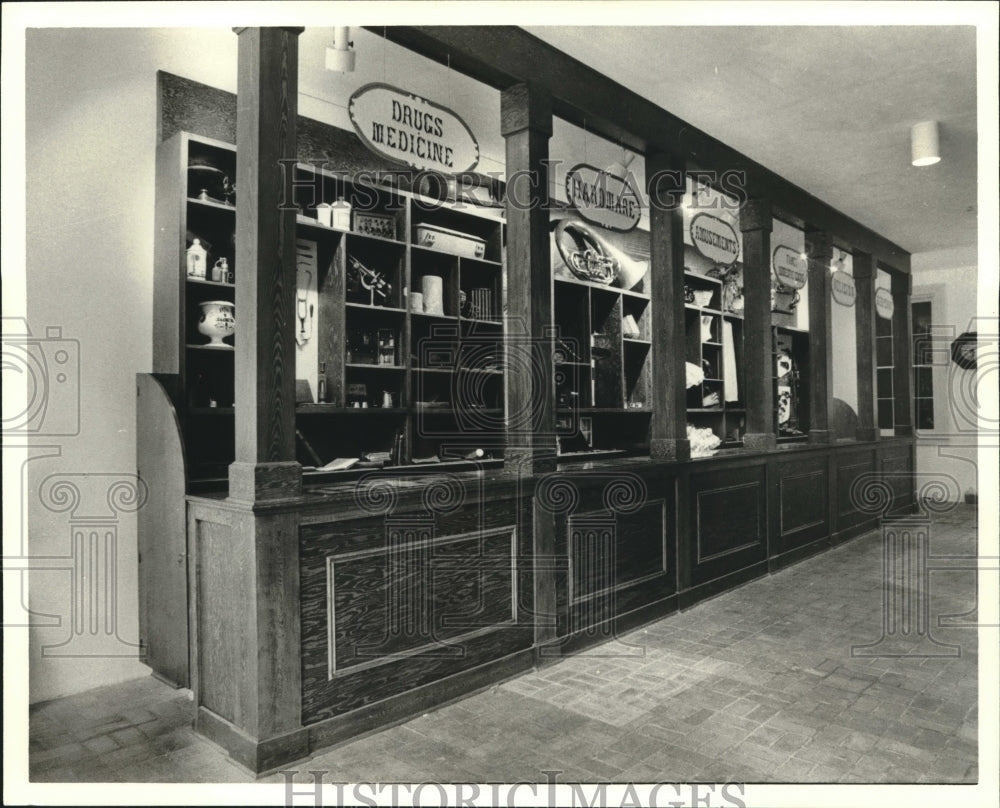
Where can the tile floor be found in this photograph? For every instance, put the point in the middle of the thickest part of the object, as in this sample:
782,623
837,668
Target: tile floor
756,685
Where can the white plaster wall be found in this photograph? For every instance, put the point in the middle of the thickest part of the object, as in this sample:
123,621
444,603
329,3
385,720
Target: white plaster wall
90,166
948,278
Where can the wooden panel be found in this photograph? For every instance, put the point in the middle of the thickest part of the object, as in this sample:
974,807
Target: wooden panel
471,565
756,222
803,500
849,468
226,632
612,551
896,466
418,595
161,534
728,521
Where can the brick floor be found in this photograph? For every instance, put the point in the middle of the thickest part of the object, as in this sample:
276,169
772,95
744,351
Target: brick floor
755,685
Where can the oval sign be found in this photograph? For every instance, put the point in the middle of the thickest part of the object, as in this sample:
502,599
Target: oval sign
412,130
883,304
842,288
602,198
715,239
788,266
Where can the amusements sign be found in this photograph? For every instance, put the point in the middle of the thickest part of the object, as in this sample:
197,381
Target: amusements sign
715,239
602,198
789,267
842,288
883,304
412,130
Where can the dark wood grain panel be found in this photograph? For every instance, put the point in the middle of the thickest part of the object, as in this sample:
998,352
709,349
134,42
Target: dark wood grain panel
419,596
727,522
803,501
849,468
609,551
896,466
477,581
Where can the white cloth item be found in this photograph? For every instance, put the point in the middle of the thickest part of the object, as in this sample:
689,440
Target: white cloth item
729,384
694,375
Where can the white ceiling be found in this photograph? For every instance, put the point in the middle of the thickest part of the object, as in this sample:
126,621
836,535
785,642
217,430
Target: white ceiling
828,108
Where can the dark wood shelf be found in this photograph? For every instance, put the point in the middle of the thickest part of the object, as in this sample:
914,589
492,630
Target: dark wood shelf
206,282
211,410
369,307
211,204
366,366
334,409
603,288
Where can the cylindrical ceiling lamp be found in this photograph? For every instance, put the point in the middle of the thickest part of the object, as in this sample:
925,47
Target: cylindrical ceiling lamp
924,143
340,57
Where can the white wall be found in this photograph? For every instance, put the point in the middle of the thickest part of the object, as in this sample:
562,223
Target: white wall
90,163
948,279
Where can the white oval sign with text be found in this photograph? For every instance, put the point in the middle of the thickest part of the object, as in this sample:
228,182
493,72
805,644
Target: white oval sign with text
412,130
842,288
789,267
715,239
602,198
883,304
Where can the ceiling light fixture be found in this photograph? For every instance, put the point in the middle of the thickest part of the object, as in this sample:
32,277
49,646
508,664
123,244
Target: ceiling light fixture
924,143
341,56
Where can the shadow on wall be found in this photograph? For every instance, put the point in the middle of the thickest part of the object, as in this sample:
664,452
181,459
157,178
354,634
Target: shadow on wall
843,419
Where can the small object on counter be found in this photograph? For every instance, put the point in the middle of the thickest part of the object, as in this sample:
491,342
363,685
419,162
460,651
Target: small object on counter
703,441
377,457
416,302
440,238
341,210
702,297
711,400
220,271
197,260
475,454
321,383
339,464
432,287
421,461
324,214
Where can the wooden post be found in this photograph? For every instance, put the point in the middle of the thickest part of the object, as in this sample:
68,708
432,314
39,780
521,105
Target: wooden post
665,178
247,657
865,274
755,222
267,94
526,124
819,249
902,349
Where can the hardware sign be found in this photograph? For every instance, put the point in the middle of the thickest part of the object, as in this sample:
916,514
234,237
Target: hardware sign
412,130
715,239
842,288
883,304
602,198
788,266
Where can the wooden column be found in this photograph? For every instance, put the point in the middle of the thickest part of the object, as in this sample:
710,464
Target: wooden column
267,95
755,222
526,124
247,657
819,249
665,177
902,349
865,273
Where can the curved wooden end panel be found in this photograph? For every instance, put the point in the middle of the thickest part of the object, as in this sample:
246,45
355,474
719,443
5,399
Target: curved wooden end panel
162,534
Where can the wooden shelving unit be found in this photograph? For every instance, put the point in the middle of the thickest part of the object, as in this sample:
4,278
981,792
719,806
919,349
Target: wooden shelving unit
373,347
